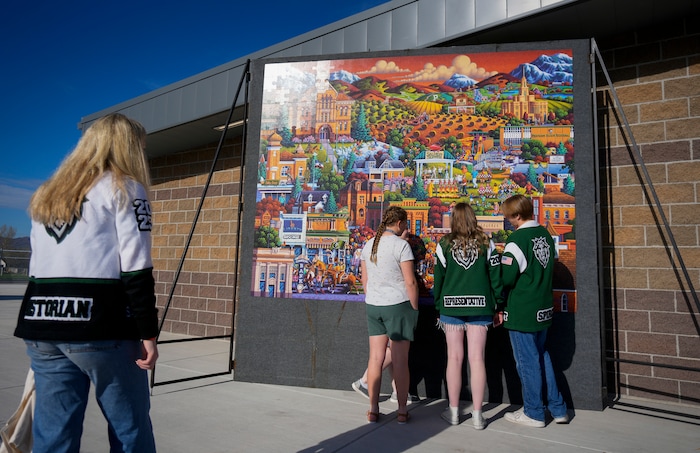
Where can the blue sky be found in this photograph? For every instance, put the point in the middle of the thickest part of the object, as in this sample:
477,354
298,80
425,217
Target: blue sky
65,60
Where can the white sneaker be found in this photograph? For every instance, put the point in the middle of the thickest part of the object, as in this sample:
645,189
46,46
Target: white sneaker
563,420
478,420
520,418
411,398
359,388
450,416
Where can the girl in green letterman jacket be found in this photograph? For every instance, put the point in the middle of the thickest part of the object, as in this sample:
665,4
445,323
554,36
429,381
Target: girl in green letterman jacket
466,280
527,266
466,293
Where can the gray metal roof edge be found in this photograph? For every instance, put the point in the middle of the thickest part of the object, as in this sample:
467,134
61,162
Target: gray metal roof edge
240,62
543,9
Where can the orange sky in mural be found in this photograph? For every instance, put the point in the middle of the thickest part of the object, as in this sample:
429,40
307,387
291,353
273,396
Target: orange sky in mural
399,68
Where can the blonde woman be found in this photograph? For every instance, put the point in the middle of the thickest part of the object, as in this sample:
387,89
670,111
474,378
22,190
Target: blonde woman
391,297
465,291
88,314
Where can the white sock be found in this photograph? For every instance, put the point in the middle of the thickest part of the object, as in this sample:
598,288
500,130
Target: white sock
476,414
363,383
454,411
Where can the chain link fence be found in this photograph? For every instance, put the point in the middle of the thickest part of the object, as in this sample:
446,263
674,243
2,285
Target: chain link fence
14,264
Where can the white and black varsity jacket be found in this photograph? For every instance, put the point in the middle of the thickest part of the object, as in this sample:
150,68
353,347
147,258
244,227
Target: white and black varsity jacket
92,279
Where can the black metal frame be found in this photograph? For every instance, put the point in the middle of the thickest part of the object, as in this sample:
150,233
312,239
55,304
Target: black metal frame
245,79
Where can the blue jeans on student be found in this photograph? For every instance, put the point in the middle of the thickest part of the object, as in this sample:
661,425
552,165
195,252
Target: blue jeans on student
63,372
534,364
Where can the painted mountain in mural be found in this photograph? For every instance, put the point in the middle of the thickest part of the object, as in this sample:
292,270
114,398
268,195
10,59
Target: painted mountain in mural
547,68
344,76
501,80
411,88
374,83
556,68
460,82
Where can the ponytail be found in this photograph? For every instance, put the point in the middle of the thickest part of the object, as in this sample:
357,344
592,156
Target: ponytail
392,215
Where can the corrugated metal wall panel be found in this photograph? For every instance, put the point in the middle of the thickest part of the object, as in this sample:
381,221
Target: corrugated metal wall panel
404,27
379,33
431,23
222,93
189,94
460,16
160,104
313,47
355,38
546,3
173,114
146,110
517,7
294,51
490,11
202,101
333,43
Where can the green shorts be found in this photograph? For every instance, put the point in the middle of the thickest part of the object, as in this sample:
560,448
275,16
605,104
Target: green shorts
395,321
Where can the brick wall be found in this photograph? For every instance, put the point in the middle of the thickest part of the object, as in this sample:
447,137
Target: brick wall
202,303
650,314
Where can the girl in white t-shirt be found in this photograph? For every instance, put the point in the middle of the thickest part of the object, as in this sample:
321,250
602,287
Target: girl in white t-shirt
391,297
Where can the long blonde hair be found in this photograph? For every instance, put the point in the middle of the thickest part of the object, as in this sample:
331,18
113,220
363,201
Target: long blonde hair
113,143
392,215
465,230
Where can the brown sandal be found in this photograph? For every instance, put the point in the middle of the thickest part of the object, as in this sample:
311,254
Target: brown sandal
403,418
372,417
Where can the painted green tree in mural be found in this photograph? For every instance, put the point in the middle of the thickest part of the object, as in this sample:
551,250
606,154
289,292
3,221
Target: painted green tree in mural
331,205
395,137
561,149
532,174
286,135
411,151
360,129
500,236
312,170
331,182
418,189
267,237
262,170
349,165
392,196
569,186
297,188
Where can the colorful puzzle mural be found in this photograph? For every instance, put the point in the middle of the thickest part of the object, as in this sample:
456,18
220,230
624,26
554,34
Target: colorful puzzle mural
341,140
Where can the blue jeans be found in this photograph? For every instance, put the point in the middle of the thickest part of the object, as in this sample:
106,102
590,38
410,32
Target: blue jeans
63,372
534,365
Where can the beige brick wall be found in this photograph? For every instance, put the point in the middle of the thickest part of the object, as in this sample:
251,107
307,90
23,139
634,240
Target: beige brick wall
650,314
202,303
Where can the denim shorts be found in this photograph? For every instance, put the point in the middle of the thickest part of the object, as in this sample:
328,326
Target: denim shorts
461,322
395,321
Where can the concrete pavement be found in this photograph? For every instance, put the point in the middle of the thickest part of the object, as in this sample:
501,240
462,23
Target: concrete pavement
217,414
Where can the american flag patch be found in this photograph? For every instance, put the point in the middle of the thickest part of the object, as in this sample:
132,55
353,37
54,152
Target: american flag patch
507,260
